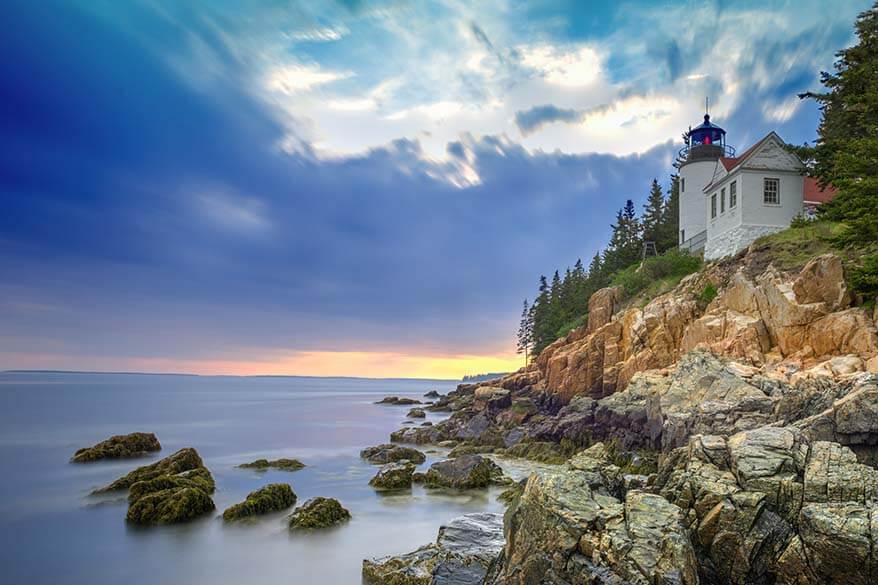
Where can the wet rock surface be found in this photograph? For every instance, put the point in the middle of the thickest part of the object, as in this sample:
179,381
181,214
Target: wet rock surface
119,447
186,459
398,400
318,513
464,472
388,453
394,476
280,464
273,497
461,555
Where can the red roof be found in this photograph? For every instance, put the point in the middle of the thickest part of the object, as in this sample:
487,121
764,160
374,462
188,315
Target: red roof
731,163
813,193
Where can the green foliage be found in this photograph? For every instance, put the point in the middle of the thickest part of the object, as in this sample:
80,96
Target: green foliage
864,279
707,294
571,325
800,221
791,249
638,277
846,152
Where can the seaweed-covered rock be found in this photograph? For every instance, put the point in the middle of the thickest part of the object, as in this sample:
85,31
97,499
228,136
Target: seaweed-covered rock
388,453
273,497
119,447
466,471
185,459
394,476
170,499
398,400
417,413
318,513
281,464
461,555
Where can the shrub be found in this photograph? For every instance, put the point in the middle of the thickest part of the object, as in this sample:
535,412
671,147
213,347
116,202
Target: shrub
570,326
864,279
707,294
670,265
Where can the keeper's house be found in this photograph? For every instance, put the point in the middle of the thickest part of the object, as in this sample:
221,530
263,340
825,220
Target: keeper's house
727,201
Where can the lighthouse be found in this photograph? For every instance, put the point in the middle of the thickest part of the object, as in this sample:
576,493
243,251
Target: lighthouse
697,163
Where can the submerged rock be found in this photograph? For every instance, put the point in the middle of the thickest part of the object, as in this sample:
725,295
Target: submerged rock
119,447
273,497
398,400
185,459
281,464
466,471
318,513
394,476
461,555
388,453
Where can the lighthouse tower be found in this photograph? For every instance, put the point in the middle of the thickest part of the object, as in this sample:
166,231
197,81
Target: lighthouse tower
697,163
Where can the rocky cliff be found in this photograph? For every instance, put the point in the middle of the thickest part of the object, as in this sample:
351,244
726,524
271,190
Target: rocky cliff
724,432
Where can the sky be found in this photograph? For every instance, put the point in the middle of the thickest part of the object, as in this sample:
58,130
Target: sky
355,187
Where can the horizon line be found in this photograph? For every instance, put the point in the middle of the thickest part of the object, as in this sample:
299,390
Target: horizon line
122,373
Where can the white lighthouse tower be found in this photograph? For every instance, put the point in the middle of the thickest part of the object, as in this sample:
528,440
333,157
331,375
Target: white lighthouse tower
697,162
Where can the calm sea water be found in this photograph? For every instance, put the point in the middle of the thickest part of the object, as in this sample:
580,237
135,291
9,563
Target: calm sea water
53,531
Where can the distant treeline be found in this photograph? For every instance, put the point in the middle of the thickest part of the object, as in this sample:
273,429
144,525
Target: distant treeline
472,378
563,304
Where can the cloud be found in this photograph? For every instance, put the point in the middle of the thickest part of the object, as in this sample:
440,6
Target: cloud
291,79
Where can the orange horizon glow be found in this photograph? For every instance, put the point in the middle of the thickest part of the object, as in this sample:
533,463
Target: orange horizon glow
361,364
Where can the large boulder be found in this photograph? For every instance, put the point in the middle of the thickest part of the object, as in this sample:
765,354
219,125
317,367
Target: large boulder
388,453
394,476
273,497
185,459
466,471
461,555
318,513
119,447
171,499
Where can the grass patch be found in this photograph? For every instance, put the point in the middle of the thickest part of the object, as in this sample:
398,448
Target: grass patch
792,248
570,326
707,294
656,273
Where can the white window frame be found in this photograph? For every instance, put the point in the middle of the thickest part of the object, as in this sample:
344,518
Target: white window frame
682,184
733,194
722,200
766,181
713,206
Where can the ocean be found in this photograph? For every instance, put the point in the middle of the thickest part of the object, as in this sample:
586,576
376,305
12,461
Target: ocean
54,532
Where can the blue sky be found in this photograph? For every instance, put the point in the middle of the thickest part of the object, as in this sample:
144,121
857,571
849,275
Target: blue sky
349,187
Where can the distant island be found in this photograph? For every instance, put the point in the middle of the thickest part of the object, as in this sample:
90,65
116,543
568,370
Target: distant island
472,378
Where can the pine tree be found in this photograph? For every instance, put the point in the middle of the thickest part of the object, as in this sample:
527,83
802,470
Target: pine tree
543,335
653,214
525,332
626,241
670,225
846,151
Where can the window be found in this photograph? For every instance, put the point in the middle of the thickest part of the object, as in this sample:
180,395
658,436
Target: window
682,184
771,191
733,194
722,200
682,236
713,206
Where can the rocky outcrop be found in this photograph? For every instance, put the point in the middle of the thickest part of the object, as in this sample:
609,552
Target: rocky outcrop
186,459
394,476
466,471
171,498
567,527
318,513
398,400
416,413
273,497
388,453
461,555
119,447
280,464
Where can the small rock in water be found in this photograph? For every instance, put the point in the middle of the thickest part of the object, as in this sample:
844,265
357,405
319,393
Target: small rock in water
281,464
394,476
398,400
466,471
119,447
389,452
417,413
432,394
318,513
271,498
461,555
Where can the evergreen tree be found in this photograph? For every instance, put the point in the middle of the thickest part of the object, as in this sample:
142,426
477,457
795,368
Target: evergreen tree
543,335
525,332
626,241
846,151
670,225
654,214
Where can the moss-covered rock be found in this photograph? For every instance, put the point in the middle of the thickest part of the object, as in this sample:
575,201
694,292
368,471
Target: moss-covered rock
470,450
467,471
170,506
318,513
281,464
273,497
398,400
197,478
417,413
388,453
394,476
119,447
186,459
544,452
